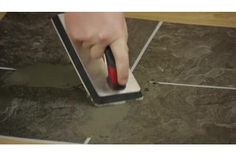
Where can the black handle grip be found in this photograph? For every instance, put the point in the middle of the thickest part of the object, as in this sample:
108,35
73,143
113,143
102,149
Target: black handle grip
112,72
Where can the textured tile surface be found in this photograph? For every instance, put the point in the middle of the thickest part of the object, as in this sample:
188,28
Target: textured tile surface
44,98
196,55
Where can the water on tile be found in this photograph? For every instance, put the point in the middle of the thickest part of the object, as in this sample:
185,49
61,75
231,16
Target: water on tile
44,99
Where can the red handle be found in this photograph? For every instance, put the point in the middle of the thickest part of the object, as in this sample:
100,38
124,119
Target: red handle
112,72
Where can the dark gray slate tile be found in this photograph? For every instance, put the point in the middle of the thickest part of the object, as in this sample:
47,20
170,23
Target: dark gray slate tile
44,99
196,55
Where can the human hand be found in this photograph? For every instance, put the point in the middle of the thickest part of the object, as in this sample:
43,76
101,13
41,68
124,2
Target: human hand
95,31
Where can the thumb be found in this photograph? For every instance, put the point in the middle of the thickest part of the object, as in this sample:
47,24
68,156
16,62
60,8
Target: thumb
119,49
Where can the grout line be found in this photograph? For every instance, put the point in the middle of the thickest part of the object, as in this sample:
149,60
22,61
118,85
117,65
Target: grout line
87,140
197,86
146,45
6,68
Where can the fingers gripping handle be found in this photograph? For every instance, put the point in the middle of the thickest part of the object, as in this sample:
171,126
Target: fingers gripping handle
112,79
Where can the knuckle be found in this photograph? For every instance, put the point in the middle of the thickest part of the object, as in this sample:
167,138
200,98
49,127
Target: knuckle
86,37
124,57
104,38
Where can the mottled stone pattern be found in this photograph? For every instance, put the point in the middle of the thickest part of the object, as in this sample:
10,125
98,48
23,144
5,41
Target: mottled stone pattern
139,32
44,98
27,39
196,55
